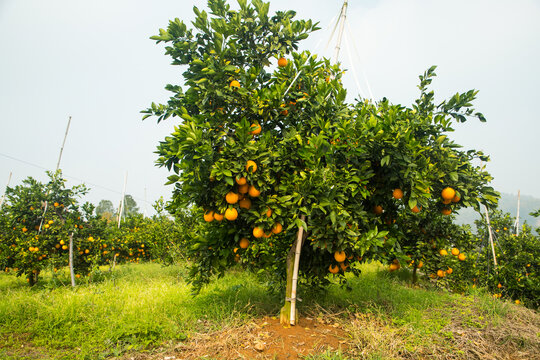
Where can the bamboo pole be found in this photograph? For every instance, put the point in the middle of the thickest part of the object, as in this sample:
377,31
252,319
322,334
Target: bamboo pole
71,269
517,215
4,196
299,241
121,210
343,18
491,238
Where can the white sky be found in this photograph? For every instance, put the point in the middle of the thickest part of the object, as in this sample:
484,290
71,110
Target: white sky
93,60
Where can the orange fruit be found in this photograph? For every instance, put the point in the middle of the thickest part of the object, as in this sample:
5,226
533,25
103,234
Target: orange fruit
448,193
244,243
343,266
251,166
416,209
218,217
62,242
245,203
449,271
65,247
420,264
333,269
378,209
268,212
231,197
231,214
455,251
253,192
518,302
282,62
456,199
258,232
440,273
267,235
255,129
277,228
209,216
24,229
243,189
443,252
77,275
393,267
397,194
234,84
461,257
446,211
446,202
499,285
241,181
56,204
340,256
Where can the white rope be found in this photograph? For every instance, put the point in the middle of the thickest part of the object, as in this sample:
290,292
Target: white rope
348,48
360,59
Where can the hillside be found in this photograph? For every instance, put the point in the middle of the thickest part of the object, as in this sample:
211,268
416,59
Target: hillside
508,204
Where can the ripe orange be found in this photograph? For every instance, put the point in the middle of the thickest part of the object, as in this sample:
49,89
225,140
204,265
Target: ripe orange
245,203
397,194
378,209
393,266
343,266
65,247
234,84
446,202
255,129
455,251
282,62
448,193
243,189
333,269
449,271
420,264
244,243
231,214
277,228
268,212
518,302
499,285
241,181
253,192
258,232
251,166
440,273
231,197
56,204
446,211
218,217
24,229
340,256
443,252
416,209
456,199
62,242
461,257
209,216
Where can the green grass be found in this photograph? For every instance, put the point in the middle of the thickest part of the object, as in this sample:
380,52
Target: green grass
141,307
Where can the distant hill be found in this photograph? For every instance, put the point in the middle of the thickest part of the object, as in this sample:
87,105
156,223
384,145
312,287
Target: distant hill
508,204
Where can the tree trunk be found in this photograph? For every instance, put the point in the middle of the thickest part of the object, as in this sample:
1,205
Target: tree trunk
285,314
414,274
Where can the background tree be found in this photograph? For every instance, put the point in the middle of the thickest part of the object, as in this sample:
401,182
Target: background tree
105,208
263,151
130,206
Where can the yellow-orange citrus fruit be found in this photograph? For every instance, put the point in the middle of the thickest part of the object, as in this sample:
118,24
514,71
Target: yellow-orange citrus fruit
456,199
397,194
448,193
461,257
253,192
251,166
415,209
449,271
267,235
268,212
443,252
440,273
393,267
455,251
333,269
258,232
234,84
218,217
62,242
446,211
24,229
65,247
446,202
378,209
231,214
56,204
499,285
277,228
340,256
243,189
282,62
241,181
255,129
518,302
244,243
245,203
231,197
209,216
343,266
420,264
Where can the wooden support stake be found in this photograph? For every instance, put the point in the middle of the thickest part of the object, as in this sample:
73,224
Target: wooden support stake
71,269
491,238
299,241
121,210
517,215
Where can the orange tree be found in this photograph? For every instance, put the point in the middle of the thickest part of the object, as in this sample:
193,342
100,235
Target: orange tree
263,151
33,238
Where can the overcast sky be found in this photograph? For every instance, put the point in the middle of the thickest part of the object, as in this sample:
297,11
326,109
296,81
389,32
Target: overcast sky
93,60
